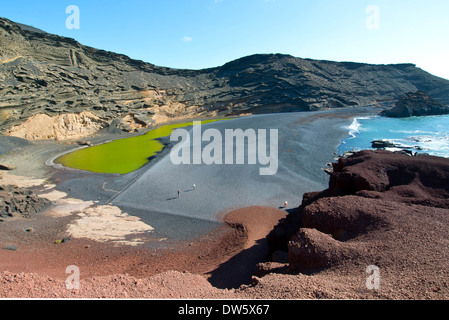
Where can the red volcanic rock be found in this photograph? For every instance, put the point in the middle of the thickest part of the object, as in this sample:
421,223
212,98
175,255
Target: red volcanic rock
389,176
381,208
344,218
311,250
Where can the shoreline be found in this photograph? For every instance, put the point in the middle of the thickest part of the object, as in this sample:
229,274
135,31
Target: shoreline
105,138
208,176
109,186
219,246
415,135
324,261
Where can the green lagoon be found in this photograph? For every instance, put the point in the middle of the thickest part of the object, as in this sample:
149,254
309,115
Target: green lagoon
121,156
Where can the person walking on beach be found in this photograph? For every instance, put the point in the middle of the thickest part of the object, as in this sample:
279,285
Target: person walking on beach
285,204
194,186
179,194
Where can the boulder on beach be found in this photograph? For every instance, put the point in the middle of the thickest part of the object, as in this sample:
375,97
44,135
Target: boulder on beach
20,202
416,104
6,167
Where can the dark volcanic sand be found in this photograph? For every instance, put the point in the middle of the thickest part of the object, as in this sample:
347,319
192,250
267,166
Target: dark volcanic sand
398,229
307,141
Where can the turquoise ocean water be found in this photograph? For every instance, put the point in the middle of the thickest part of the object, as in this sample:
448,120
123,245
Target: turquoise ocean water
430,134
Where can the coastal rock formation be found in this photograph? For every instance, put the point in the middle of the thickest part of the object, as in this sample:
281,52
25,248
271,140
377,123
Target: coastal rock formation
416,104
382,209
61,127
41,73
389,176
20,202
311,249
382,144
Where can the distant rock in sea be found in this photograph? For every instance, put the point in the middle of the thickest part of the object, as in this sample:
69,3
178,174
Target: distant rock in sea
416,104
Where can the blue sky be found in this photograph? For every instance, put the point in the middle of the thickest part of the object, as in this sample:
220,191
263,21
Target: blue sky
198,34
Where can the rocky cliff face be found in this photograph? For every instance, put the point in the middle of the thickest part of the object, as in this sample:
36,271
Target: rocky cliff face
378,208
41,73
416,104
66,126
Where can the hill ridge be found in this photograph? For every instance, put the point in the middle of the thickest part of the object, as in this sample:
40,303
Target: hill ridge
41,73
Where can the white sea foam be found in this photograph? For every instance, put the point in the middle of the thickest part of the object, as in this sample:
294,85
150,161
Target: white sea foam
412,131
425,134
439,144
355,126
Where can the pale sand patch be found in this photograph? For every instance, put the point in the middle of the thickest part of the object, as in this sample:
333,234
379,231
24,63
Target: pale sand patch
19,181
54,195
60,127
69,206
12,59
62,206
108,223
100,223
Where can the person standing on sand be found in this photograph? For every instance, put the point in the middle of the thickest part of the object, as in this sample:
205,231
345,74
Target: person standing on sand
194,186
179,194
285,204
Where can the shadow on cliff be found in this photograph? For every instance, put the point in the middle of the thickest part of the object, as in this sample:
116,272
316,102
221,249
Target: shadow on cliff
240,268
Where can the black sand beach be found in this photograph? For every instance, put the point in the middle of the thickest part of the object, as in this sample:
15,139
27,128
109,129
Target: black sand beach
307,141
148,197
151,252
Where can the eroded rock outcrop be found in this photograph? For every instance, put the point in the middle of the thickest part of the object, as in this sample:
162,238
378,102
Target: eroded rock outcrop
385,175
311,249
61,127
20,202
382,209
416,104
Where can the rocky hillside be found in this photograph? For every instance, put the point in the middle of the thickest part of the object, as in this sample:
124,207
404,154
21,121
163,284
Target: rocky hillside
41,73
